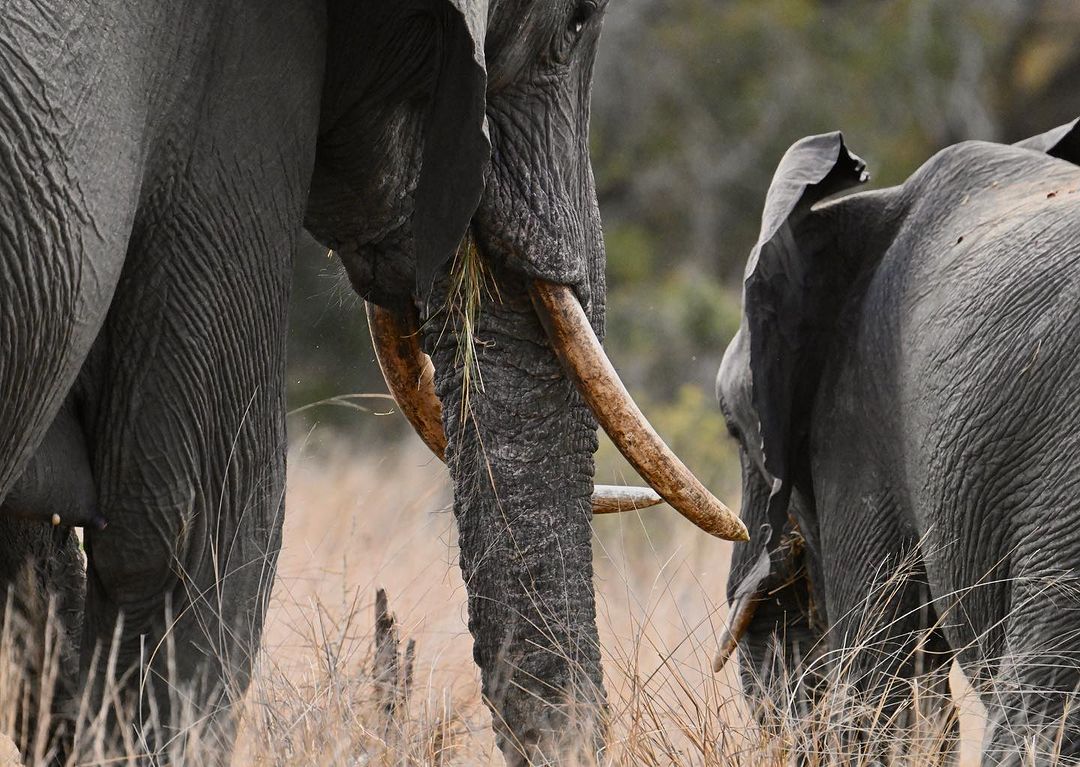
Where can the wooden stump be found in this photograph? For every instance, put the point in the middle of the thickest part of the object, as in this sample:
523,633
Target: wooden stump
393,674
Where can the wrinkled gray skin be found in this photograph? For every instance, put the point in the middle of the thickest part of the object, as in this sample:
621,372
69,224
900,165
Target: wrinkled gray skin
155,161
158,162
907,373
521,457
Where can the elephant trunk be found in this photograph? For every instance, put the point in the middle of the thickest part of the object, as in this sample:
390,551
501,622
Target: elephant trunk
520,445
395,337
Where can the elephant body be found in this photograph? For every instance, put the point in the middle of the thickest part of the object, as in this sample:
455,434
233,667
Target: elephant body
156,162
909,406
159,162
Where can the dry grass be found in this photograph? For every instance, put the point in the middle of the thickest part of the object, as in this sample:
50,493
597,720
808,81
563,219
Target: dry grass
358,521
356,524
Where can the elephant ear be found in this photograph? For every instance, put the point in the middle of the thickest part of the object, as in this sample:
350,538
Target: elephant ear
457,148
1062,142
788,291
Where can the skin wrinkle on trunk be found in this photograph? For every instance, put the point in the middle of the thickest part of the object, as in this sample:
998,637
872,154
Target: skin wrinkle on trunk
524,533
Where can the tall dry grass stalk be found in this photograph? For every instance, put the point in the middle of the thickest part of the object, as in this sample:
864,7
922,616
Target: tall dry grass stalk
359,522
470,285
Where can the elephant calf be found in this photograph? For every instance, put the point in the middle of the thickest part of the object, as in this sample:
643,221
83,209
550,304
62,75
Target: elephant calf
904,387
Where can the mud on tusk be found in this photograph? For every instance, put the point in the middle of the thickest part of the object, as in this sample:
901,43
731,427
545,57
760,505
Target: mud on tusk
410,377
409,373
584,361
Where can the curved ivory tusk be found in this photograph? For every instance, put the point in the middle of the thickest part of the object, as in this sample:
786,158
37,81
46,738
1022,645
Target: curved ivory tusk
742,613
755,586
609,499
585,362
409,373
410,377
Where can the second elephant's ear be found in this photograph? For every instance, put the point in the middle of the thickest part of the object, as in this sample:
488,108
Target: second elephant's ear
788,286
1062,142
457,149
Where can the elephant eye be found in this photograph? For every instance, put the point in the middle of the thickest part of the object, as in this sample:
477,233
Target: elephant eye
584,11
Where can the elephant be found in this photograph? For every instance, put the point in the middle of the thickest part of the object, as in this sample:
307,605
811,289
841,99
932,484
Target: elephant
903,391
159,166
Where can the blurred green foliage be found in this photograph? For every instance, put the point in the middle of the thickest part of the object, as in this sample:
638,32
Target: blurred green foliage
694,102
330,355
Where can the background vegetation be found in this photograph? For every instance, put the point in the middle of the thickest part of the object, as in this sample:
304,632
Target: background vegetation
694,103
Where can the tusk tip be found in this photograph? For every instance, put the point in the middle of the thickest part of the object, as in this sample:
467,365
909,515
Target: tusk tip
723,655
611,499
722,523
742,613
729,643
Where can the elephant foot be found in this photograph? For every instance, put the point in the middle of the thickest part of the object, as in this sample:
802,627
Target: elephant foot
42,583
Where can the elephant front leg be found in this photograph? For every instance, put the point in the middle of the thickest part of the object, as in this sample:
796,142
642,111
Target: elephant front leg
187,416
520,445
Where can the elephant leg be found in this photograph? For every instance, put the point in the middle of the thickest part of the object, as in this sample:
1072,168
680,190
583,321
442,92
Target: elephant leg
1033,695
189,446
185,390
930,714
188,439
68,195
42,586
889,653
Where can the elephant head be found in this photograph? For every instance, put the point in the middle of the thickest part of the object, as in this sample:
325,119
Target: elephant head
454,148
806,277
762,388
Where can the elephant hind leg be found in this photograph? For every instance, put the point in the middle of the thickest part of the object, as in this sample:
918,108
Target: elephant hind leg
889,648
1033,696
1031,722
42,588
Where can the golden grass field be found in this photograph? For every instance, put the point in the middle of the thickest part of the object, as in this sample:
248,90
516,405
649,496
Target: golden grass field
358,522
